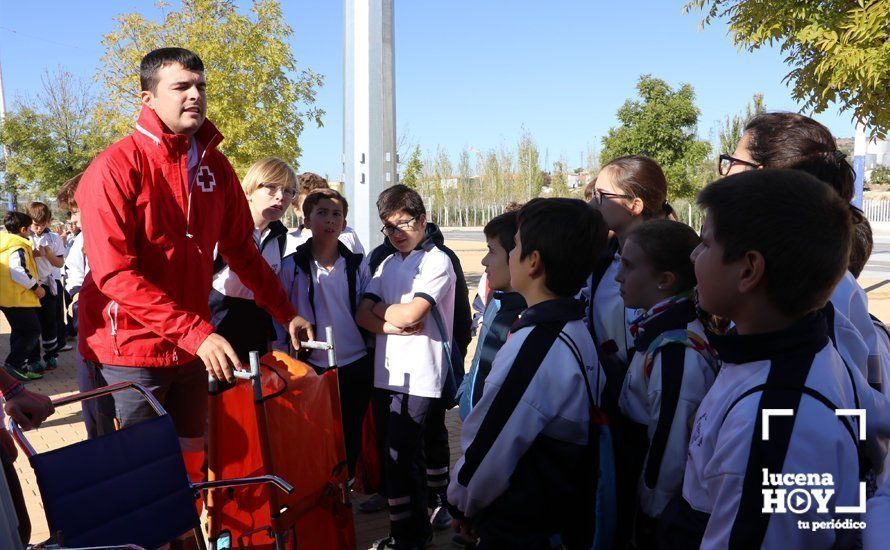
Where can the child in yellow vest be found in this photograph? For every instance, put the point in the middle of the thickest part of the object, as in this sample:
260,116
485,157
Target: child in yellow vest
20,294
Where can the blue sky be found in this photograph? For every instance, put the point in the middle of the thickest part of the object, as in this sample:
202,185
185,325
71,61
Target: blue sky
468,73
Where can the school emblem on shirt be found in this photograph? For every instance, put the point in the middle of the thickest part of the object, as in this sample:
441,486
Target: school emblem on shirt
206,180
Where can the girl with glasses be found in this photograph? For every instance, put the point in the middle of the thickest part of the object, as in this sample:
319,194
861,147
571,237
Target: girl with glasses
628,191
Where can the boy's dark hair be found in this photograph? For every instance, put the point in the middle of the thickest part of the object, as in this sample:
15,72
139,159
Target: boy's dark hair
65,197
641,177
400,198
503,228
314,197
668,246
310,181
860,249
801,226
155,60
14,221
568,250
39,212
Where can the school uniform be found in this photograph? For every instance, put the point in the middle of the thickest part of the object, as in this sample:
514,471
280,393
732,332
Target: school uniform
52,322
849,299
671,372
234,312
525,472
412,370
723,486
609,323
20,306
329,298
501,312
877,520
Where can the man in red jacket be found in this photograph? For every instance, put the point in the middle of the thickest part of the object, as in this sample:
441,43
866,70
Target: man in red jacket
153,207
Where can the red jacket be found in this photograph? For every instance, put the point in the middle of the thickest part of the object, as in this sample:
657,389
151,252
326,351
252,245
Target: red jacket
150,243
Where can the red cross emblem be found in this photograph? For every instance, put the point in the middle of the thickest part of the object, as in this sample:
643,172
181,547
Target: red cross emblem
205,179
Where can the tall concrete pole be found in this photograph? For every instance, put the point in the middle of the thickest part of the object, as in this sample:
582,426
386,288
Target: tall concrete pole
10,195
369,112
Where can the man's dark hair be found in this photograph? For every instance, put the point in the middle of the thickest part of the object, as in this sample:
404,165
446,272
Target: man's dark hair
503,228
801,226
400,198
155,60
668,246
569,236
14,221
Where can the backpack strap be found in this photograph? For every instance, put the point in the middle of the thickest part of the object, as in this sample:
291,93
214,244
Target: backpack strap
820,397
683,337
353,263
302,259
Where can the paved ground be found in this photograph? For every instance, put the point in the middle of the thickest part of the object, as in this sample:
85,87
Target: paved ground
65,426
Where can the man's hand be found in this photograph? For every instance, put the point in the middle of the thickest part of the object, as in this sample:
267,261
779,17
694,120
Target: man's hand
219,358
29,409
297,328
40,292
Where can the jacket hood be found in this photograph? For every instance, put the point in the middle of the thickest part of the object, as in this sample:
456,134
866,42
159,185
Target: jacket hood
150,126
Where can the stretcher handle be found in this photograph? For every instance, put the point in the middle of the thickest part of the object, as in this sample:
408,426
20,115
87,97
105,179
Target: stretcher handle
328,346
240,481
19,437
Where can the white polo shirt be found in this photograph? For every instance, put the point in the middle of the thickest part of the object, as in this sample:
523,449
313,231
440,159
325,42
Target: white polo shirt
47,271
332,306
414,364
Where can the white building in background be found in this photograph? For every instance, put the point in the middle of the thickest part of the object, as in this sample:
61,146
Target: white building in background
873,152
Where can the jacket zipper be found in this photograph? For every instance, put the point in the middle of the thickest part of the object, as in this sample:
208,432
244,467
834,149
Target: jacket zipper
112,321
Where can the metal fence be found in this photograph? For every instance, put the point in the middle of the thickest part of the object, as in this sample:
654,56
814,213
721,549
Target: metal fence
876,210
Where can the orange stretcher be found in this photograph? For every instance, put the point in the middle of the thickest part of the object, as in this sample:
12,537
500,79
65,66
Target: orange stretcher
286,421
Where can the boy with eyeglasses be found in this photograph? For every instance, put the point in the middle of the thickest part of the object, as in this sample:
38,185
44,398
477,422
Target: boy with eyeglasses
410,305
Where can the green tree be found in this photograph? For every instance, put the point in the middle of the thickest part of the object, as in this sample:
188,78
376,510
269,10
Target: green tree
413,170
880,175
661,124
838,50
51,138
529,178
258,96
559,180
733,127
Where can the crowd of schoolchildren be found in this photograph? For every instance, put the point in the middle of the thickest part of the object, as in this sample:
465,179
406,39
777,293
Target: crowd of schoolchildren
36,294
623,361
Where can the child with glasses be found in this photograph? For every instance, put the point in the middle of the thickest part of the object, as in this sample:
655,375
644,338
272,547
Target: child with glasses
270,185
409,305
778,359
627,192
306,183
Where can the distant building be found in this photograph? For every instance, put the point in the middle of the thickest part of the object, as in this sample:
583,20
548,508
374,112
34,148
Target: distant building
873,153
